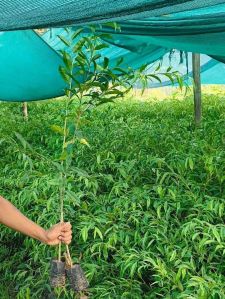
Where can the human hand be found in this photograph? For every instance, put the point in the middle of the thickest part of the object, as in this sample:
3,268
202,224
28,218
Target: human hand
61,232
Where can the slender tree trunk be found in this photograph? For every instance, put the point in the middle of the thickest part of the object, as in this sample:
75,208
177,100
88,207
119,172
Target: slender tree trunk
197,88
25,111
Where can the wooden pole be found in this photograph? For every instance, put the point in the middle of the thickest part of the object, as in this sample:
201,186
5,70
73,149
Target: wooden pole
25,111
197,88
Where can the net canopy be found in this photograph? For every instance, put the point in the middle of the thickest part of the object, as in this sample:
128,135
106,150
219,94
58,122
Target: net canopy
200,31
149,29
28,67
26,14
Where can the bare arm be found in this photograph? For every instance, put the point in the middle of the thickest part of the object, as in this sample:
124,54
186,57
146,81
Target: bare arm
13,218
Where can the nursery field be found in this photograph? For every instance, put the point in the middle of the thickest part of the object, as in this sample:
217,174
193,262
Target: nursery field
146,199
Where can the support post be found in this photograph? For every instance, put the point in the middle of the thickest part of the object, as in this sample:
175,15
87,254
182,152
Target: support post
197,88
25,111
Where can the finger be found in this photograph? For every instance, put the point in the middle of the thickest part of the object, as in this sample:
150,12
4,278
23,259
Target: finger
67,240
66,227
59,226
67,234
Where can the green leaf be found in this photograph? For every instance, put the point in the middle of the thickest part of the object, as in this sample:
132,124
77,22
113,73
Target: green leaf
76,33
67,59
191,164
119,61
64,40
24,143
58,129
80,172
101,46
133,269
97,56
216,235
106,62
158,67
98,232
106,36
64,74
155,77
113,25
143,67
84,141
84,233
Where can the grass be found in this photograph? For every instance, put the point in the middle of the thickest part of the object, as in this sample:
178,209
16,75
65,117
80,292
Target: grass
4,292
146,200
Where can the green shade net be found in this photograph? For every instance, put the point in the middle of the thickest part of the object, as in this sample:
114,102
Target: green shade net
200,31
26,14
29,64
135,58
28,67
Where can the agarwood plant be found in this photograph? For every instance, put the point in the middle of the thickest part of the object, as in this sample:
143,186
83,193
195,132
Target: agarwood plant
92,79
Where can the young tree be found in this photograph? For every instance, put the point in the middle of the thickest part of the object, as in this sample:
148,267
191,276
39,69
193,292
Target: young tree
92,79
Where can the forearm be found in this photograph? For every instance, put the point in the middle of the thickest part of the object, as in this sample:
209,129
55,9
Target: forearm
13,218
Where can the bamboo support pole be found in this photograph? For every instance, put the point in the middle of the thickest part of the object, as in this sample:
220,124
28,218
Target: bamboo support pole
197,88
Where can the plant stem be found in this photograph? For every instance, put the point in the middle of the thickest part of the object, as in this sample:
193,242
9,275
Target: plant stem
63,171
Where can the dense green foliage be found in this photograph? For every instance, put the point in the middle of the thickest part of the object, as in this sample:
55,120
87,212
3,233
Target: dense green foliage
146,200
